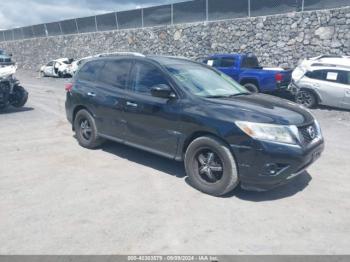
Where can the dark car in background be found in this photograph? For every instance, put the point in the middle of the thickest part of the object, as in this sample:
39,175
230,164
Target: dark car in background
191,112
246,70
5,59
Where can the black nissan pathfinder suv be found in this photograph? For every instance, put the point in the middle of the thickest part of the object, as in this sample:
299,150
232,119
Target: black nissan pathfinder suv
190,112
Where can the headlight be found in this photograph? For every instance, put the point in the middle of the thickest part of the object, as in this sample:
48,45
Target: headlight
269,132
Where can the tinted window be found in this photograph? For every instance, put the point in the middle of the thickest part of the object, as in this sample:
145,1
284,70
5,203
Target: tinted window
250,62
335,76
227,62
50,64
145,76
116,73
90,70
317,74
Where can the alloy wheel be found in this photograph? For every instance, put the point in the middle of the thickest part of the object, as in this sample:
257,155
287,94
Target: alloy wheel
210,168
305,99
85,129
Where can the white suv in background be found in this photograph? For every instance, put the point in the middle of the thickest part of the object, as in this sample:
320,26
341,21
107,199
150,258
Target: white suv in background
323,80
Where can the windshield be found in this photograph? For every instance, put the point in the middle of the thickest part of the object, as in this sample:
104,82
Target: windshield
205,82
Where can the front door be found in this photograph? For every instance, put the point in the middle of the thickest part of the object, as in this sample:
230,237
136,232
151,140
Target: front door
151,122
227,65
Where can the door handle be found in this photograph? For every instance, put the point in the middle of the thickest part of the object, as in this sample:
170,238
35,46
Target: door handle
91,94
132,104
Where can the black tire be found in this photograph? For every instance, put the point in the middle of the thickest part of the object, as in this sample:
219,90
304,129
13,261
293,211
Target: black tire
306,98
19,97
251,87
42,74
86,131
198,161
60,74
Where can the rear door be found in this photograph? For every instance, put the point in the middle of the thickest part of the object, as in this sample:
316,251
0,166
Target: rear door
111,96
151,122
87,90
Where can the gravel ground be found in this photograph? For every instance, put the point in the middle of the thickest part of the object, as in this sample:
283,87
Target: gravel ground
58,198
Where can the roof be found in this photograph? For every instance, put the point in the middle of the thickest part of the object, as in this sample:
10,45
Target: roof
170,60
328,61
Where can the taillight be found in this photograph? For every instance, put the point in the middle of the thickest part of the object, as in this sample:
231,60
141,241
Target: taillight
279,77
68,87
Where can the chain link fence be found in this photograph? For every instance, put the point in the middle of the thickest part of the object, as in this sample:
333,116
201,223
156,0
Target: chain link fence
183,12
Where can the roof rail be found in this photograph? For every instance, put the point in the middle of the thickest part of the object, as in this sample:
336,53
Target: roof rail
121,54
330,65
325,56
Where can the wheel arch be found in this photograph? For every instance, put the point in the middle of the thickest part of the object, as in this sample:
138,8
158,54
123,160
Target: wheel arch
317,95
249,80
196,135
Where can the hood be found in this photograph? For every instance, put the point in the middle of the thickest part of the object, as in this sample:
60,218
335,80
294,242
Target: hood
262,109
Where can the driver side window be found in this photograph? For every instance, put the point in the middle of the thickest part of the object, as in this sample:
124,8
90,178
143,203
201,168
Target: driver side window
145,76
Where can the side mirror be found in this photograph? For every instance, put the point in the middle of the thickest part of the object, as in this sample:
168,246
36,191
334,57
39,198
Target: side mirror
10,54
163,91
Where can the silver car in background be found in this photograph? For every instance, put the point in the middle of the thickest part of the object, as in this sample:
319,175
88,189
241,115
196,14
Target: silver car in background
323,80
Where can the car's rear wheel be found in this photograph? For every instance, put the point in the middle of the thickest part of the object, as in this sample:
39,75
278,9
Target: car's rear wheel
86,131
306,98
251,87
211,166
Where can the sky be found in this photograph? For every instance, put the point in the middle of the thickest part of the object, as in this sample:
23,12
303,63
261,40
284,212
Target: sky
17,13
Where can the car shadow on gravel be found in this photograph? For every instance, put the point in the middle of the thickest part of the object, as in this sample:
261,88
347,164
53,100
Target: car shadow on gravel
11,110
175,168
295,186
165,165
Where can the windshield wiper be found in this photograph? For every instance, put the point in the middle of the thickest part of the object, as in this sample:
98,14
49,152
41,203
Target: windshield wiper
217,96
241,94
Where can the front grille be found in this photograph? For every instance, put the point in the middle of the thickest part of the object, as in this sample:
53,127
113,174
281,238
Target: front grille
308,133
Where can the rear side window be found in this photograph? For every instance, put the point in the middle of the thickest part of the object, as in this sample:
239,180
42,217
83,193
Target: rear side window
250,61
90,71
335,76
116,73
145,76
343,77
227,62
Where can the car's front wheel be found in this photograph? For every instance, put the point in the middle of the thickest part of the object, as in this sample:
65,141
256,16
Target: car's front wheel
210,166
306,98
20,96
86,131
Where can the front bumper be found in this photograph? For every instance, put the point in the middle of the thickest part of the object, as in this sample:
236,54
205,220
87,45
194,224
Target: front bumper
268,165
